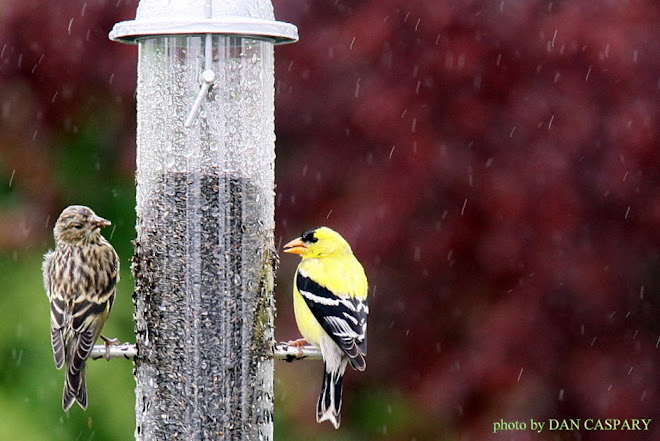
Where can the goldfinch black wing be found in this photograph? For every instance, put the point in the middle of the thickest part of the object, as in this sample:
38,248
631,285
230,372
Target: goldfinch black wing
344,319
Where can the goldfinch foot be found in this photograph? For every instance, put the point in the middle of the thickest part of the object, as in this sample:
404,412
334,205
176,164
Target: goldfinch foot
299,343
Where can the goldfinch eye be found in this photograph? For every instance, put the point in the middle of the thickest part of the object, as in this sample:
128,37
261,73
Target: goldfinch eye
308,236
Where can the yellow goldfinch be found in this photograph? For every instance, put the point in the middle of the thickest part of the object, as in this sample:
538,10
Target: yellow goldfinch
80,278
330,305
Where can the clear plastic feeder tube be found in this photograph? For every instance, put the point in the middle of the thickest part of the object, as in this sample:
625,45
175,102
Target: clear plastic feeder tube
204,257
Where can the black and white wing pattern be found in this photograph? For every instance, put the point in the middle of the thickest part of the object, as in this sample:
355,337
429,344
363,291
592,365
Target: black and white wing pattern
343,318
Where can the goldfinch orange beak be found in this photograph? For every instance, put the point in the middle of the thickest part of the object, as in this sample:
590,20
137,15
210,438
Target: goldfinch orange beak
296,246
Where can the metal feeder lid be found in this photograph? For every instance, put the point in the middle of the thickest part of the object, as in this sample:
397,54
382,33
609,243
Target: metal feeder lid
249,18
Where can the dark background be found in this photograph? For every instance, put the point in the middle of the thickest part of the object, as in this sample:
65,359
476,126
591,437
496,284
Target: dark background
494,165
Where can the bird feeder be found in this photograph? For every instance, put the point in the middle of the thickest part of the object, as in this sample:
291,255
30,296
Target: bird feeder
204,253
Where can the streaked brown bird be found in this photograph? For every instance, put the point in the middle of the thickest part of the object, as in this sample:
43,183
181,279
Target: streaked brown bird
80,277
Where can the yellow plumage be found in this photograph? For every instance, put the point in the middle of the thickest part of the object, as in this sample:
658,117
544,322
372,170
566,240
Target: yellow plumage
330,305
340,273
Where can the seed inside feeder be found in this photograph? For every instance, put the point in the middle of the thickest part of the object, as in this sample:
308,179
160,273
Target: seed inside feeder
203,310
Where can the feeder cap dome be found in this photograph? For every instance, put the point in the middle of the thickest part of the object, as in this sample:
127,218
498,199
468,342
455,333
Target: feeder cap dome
244,18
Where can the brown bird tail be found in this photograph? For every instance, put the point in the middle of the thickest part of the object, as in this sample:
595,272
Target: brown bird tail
75,389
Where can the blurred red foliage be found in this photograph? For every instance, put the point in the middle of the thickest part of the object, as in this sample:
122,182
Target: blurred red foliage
58,73
495,166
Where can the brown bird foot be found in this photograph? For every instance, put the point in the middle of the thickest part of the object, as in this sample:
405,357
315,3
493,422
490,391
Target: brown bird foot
109,342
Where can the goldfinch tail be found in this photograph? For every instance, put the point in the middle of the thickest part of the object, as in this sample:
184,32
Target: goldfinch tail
329,405
75,389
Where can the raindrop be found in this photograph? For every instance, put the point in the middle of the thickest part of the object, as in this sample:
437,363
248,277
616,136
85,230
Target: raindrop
18,357
37,63
476,83
512,130
11,179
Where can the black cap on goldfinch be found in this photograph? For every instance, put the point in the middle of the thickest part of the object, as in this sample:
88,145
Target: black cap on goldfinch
318,242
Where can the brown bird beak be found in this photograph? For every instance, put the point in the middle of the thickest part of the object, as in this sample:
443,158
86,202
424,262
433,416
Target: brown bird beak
296,246
98,221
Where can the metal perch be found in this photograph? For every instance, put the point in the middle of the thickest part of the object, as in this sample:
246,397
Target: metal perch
281,351
124,350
